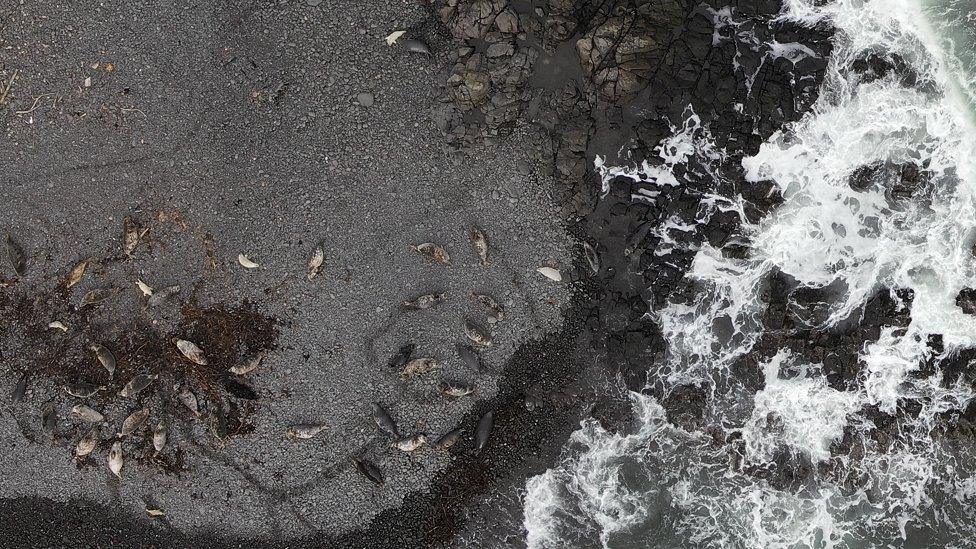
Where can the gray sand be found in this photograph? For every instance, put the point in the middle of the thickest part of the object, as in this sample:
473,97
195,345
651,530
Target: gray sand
244,121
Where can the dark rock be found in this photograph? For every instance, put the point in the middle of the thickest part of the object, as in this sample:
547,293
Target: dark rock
876,65
863,178
787,471
365,99
499,50
507,21
966,300
472,19
685,406
470,88
620,55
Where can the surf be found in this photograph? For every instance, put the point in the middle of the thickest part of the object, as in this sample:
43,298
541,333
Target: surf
877,183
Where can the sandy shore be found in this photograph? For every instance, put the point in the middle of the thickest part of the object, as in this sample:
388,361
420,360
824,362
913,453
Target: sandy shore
259,130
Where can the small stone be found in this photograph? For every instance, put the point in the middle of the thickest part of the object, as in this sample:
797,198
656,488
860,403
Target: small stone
365,99
313,3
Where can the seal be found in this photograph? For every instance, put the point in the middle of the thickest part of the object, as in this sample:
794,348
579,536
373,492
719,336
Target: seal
480,244
159,436
130,236
159,296
137,384
105,357
87,443
115,459
412,443
189,400
218,423
494,310
418,366
448,439
483,432
303,431
469,356
49,419
550,273
146,289
316,261
134,422
75,274
16,256
432,252
384,421
369,470
94,297
402,356
415,46
57,325
425,301
248,365
476,333
455,389
20,389
190,350
81,389
84,413
592,258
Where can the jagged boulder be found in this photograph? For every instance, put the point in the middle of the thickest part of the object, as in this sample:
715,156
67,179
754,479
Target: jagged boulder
474,19
470,88
621,54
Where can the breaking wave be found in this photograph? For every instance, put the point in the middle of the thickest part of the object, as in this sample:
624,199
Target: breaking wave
878,183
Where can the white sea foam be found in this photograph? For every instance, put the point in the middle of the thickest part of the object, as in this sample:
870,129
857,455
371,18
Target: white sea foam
658,482
801,413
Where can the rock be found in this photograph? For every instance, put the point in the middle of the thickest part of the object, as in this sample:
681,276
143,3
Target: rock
571,146
445,117
469,89
862,179
619,57
902,183
513,73
365,99
685,406
966,300
500,49
560,23
507,22
875,65
502,112
473,20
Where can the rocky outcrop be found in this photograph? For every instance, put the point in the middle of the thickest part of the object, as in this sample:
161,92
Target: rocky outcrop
620,55
966,300
685,406
474,19
469,88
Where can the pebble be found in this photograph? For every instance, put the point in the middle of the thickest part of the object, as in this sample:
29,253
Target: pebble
365,99
313,3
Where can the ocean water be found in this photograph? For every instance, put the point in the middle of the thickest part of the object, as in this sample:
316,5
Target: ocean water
656,485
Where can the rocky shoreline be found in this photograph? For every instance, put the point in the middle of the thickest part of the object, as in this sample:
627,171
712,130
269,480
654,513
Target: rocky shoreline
606,336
